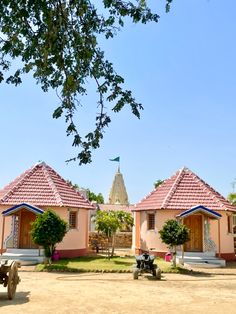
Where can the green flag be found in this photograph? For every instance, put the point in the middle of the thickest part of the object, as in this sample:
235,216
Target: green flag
115,159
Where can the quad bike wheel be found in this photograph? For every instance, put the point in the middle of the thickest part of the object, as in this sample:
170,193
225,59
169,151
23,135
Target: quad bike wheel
135,273
158,274
13,280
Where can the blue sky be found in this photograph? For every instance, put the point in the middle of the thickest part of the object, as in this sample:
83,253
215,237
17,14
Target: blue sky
182,69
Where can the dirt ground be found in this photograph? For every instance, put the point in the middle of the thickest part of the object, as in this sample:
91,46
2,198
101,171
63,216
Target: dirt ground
119,293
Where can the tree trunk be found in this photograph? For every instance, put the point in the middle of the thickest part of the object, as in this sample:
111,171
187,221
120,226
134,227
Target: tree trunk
108,248
182,254
113,244
174,257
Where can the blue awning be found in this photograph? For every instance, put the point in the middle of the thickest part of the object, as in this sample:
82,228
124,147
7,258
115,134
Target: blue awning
200,209
16,208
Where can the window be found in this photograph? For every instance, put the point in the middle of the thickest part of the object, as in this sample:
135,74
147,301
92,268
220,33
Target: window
73,220
234,220
151,221
234,225
229,224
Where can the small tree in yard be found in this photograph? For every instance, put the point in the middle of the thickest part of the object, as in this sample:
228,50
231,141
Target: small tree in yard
173,234
47,230
109,222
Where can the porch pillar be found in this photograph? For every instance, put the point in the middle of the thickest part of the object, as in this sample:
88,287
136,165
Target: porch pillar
137,238
182,222
3,227
219,237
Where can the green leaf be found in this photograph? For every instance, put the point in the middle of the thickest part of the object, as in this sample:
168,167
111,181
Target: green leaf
57,42
58,112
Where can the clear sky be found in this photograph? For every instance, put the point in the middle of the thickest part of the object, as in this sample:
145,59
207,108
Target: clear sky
182,69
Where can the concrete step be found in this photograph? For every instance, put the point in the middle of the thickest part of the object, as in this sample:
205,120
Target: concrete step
26,252
203,265
24,256
197,254
201,261
24,260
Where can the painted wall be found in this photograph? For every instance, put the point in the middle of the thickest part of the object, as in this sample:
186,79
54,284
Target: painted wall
75,239
8,221
226,239
150,239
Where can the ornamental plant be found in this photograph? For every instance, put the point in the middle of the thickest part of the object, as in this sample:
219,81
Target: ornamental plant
47,230
173,234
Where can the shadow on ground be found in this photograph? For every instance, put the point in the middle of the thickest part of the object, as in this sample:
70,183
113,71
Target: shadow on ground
20,298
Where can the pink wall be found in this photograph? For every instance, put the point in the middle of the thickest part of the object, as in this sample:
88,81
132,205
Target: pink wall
75,239
136,243
226,239
7,229
150,239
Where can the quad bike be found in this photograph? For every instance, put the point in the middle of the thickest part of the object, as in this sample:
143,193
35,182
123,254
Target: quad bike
9,276
145,264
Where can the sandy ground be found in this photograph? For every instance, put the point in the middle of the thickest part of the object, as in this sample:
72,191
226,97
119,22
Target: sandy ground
119,293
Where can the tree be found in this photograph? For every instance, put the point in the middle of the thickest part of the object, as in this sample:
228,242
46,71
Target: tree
232,198
158,182
173,234
57,41
98,198
73,185
109,222
47,230
91,195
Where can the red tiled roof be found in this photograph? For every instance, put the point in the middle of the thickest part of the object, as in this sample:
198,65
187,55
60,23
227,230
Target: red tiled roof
183,191
42,186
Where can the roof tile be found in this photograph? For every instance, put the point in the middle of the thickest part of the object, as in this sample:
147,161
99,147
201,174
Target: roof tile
42,186
183,191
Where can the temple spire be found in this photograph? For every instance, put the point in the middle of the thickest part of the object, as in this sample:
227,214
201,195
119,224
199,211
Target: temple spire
118,194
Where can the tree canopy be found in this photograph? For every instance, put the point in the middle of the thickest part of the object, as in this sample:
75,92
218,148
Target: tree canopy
98,198
158,182
57,41
47,230
109,222
173,233
232,198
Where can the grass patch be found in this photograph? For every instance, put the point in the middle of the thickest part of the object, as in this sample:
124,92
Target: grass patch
103,264
93,264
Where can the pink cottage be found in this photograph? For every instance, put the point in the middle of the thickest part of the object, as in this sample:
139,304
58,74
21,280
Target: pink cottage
186,197
29,195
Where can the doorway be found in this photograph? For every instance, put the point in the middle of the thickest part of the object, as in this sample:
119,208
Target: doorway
195,244
25,240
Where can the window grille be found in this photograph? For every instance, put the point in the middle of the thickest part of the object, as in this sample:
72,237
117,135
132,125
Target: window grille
229,224
151,221
73,220
234,220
